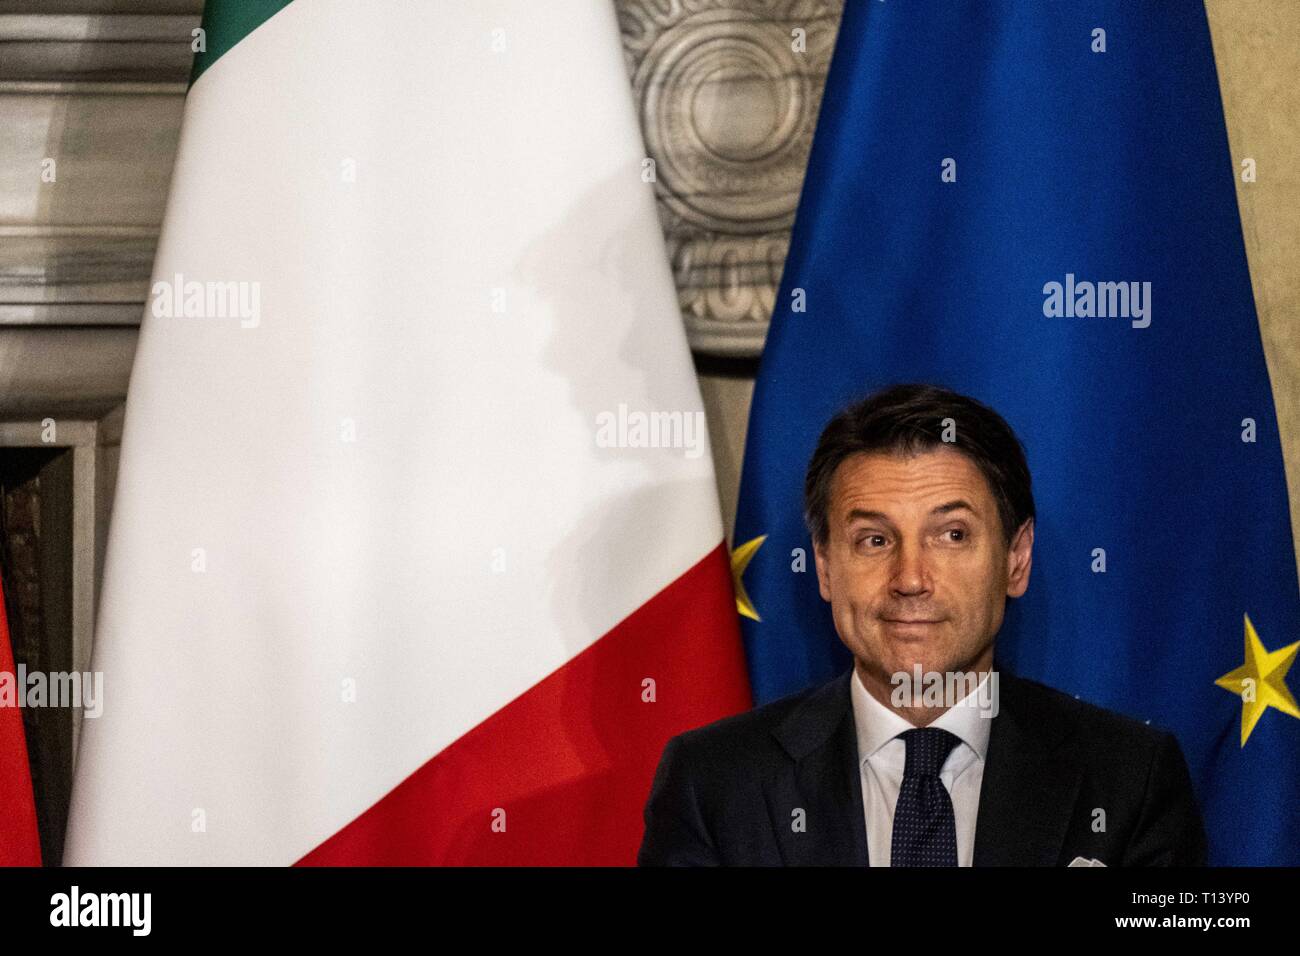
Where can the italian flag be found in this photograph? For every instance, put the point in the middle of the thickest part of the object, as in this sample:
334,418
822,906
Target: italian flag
380,587
20,843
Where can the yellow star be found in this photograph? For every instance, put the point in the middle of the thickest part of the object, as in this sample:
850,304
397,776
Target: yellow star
740,558
1261,681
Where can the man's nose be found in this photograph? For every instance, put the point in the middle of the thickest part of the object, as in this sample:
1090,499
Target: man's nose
911,575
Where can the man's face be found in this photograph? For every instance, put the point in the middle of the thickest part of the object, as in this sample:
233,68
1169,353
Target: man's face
915,565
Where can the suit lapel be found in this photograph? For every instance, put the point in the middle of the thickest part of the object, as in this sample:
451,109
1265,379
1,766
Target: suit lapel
822,780
1026,798
1029,786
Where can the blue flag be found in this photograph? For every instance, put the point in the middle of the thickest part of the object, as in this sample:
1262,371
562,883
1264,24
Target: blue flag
1033,204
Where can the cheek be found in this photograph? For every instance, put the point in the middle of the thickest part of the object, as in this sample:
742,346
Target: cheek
978,602
978,579
857,596
854,584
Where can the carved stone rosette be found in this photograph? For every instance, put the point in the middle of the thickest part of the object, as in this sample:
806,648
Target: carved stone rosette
728,93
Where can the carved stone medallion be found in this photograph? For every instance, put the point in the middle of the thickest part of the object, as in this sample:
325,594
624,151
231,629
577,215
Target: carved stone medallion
728,93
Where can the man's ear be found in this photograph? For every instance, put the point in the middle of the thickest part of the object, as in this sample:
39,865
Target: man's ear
823,575
1019,559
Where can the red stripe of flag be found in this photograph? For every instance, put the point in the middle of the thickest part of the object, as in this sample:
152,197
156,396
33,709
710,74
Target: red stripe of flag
19,841
570,761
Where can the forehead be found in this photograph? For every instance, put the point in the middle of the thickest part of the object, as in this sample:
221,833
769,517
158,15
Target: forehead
875,480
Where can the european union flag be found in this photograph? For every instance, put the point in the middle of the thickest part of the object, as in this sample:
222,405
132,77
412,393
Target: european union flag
1033,204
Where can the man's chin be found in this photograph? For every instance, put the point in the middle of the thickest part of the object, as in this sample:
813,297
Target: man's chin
910,657
941,661
909,665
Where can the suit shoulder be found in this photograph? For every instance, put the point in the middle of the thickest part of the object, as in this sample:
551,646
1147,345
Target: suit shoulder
1090,723
746,730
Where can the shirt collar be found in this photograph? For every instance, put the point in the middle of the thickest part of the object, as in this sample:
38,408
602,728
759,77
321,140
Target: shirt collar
877,725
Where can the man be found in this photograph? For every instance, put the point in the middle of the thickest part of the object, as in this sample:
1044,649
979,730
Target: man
919,505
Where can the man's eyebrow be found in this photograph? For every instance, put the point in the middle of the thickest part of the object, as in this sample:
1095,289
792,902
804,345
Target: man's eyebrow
865,515
946,508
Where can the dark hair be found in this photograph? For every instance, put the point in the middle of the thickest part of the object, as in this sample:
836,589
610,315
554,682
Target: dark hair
908,419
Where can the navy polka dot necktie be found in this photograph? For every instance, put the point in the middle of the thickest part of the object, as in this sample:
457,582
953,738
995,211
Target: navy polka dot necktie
925,829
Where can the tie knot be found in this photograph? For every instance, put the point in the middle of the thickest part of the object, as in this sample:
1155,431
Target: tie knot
927,749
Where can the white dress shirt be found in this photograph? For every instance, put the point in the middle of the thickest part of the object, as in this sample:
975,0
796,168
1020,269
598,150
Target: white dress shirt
882,756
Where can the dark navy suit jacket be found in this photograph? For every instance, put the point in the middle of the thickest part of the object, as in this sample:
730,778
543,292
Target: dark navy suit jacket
727,794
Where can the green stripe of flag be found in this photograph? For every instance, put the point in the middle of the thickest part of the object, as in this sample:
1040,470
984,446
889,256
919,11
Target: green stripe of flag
226,22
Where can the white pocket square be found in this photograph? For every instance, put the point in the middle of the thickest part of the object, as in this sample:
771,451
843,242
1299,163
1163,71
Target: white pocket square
1080,861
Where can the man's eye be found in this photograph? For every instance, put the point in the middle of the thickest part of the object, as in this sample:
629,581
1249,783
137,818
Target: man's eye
960,534
872,540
